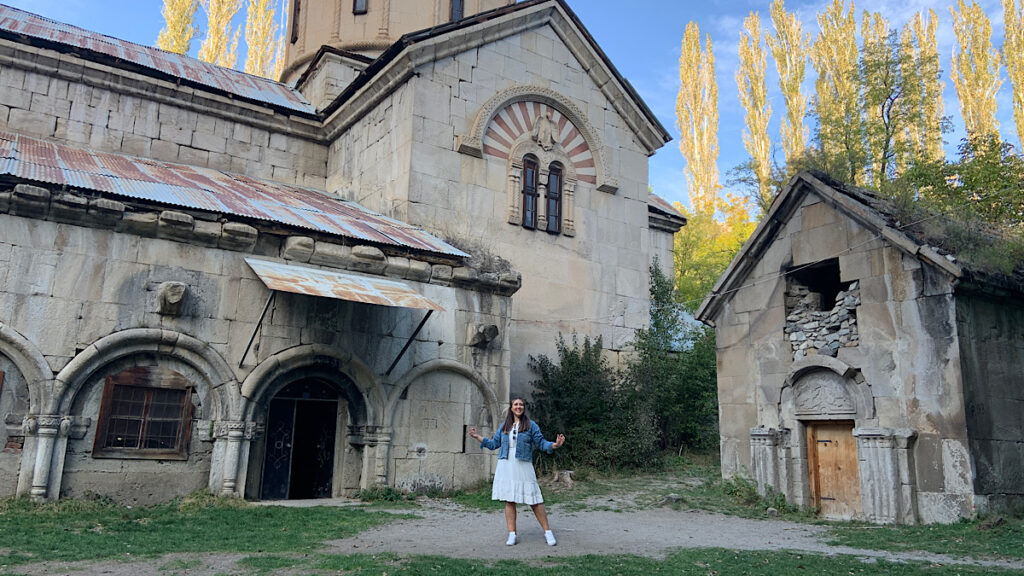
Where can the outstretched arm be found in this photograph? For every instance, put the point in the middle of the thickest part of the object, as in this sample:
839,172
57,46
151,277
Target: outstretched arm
489,443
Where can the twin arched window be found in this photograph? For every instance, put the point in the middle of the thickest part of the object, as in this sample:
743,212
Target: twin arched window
533,181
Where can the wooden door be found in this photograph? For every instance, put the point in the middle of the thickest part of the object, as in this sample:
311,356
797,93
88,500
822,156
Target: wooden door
832,468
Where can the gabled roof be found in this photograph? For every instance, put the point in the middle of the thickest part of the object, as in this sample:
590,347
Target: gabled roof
28,28
167,183
397,62
860,205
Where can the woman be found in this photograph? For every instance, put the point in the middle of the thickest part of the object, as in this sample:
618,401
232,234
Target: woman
515,480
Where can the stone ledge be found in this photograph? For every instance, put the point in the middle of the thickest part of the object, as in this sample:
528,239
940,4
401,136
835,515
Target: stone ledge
31,201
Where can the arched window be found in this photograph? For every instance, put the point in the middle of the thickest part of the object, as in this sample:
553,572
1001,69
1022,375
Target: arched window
296,8
146,412
530,175
554,199
457,9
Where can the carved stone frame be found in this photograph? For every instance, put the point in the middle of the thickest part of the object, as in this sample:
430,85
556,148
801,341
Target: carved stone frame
545,158
471,143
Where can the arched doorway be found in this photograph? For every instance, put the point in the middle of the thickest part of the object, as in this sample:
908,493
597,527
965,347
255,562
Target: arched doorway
302,429
312,446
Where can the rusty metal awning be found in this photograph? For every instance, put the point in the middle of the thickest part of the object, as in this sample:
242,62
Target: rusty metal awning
340,285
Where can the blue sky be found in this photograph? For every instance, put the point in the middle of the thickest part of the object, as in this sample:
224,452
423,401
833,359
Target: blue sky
642,38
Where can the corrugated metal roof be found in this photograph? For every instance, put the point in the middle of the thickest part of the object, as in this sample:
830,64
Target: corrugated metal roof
341,285
255,88
662,205
206,189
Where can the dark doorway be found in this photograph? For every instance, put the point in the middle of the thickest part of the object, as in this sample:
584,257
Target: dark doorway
301,427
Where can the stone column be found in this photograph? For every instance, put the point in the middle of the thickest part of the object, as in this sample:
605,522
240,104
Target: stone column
45,428
514,195
764,444
234,435
542,199
886,483
568,206
376,455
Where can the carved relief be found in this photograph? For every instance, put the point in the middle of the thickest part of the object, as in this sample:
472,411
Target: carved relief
823,393
544,133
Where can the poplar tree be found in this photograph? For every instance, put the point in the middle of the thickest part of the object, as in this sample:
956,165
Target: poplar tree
975,70
927,66
750,78
837,92
177,33
697,113
220,43
882,92
1013,56
790,47
261,40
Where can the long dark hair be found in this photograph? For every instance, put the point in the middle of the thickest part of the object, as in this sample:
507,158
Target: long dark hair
524,420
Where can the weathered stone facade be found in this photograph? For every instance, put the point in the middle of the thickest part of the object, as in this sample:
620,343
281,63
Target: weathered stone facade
897,359
143,356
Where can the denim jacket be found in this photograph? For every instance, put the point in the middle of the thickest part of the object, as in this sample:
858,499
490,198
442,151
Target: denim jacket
525,442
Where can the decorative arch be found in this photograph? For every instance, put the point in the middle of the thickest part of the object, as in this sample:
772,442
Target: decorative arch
823,387
33,367
513,114
491,400
270,374
167,343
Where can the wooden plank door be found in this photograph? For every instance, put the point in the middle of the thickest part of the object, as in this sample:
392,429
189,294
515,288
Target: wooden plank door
832,468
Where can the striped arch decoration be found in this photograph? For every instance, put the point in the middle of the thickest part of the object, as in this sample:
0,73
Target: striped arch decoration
512,117
545,124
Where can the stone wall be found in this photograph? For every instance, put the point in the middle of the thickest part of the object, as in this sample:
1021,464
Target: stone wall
906,355
815,331
77,273
594,283
992,350
112,110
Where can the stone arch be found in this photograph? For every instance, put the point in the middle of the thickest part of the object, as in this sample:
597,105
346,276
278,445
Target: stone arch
36,373
492,406
270,375
822,388
167,343
510,114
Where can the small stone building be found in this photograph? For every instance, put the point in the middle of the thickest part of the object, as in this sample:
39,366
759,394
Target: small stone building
210,280
863,372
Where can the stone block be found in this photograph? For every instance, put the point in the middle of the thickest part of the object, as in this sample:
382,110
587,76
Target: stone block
238,236
397,267
206,233
298,248
209,142
69,208
441,274
419,271
331,254
28,200
175,225
368,259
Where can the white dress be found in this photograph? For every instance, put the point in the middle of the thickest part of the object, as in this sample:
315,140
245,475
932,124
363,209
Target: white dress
515,480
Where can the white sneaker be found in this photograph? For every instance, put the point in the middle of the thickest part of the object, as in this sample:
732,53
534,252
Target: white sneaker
550,537
512,539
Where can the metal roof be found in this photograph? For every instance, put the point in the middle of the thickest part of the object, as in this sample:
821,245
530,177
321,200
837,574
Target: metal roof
658,203
206,189
341,285
18,24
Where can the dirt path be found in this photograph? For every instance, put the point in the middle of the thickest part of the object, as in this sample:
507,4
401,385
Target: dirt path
459,533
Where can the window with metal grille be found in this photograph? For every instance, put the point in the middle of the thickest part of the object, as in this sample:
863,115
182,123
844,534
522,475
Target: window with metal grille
359,6
554,199
146,413
457,10
529,191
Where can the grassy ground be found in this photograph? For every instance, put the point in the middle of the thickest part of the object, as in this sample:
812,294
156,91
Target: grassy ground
72,530
985,538
703,562
280,539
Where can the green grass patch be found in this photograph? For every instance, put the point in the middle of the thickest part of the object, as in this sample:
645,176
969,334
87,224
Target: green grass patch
71,530
987,538
701,562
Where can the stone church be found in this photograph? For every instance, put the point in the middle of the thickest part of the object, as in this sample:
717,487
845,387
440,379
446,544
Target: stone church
213,281
862,371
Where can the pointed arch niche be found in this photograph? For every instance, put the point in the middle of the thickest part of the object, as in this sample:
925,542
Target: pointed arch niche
546,125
